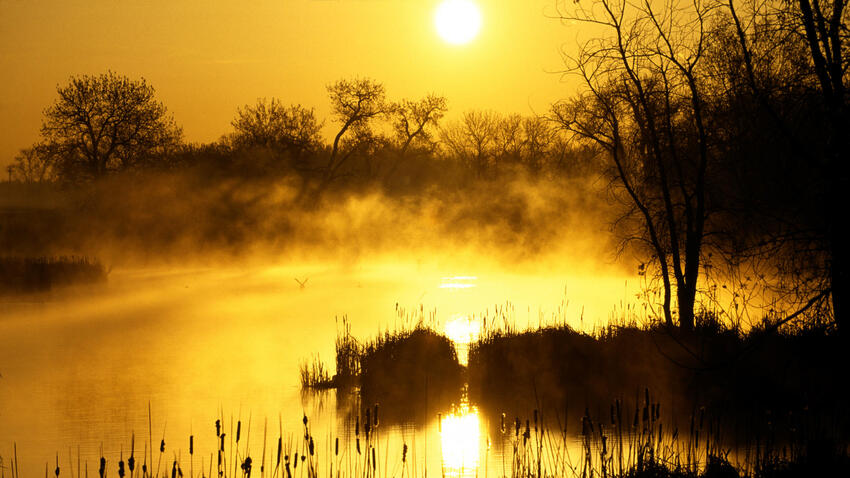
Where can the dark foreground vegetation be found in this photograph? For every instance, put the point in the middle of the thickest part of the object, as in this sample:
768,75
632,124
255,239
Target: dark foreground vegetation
643,400
42,274
638,445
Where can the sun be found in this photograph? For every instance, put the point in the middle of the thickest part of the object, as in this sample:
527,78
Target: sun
457,21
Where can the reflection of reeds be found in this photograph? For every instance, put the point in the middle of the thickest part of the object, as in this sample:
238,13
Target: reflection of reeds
627,442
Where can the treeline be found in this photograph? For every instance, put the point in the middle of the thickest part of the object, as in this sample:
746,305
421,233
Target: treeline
109,124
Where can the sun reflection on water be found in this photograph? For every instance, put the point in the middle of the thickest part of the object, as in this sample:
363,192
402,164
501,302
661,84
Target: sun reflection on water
460,436
458,282
463,330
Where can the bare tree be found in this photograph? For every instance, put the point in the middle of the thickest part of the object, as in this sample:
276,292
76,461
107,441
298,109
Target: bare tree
412,123
472,139
644,106
793,59
354,103
106,123
35,164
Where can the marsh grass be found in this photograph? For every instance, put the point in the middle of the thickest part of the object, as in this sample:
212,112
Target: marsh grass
721,367
632,439
42,274
406,366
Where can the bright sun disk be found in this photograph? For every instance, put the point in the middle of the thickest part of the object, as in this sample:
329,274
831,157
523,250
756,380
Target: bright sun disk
457,21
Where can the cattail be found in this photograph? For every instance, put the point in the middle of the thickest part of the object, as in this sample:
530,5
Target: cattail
357,426
358,445
375,417
218,428
222,441
336,447
279,446
305,420
238,430
174,469
131,464
295,464
311,446
374,462
191,444
367,423
404,453
162,446
121,468
102,470
246,467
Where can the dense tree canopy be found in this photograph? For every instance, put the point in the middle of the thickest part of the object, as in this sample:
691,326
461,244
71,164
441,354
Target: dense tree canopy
107,123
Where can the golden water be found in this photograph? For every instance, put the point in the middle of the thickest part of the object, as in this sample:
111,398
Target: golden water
81,367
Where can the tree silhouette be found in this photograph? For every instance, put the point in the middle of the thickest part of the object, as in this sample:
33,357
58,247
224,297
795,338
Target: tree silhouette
354,103
786,65
269,124
472,139
412,121
645,107
106,123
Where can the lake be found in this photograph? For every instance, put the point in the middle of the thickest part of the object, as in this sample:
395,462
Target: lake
82,367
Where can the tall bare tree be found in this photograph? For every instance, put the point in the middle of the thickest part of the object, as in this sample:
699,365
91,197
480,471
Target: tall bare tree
644,106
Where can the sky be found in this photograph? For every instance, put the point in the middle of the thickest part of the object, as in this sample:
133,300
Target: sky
207,58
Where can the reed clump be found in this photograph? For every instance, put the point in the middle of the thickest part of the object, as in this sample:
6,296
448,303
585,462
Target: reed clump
42,274
721,367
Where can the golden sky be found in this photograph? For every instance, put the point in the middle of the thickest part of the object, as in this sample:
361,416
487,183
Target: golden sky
206,58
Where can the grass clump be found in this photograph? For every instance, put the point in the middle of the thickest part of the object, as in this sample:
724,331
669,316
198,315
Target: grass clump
405,368
42,274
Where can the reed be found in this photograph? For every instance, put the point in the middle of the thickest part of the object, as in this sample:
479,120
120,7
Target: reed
42,274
